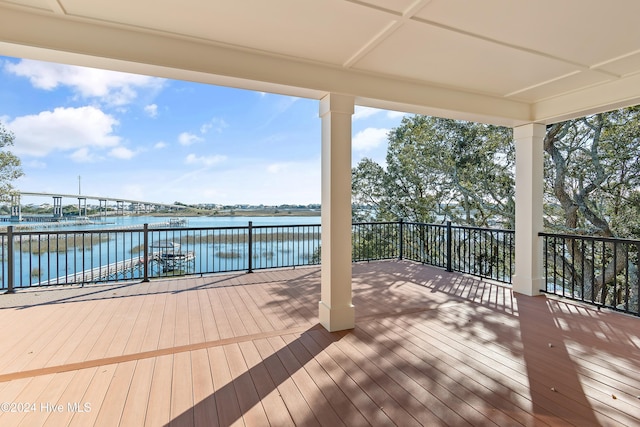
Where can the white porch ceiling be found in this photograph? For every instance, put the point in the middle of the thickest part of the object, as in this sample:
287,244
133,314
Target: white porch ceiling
499,61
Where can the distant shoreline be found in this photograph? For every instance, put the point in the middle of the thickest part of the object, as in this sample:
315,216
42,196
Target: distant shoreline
236,212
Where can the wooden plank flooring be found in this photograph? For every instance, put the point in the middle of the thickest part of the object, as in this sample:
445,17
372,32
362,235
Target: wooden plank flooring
429,348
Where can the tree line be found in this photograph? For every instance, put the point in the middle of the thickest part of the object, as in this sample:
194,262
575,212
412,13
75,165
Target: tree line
442,169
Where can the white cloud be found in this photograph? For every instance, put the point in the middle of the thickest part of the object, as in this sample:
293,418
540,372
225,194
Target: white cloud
364,112
114,88
35,164
277,167
192,159
249,182
186,138
278,106
122,153
151,110
396,114
369,138
63,129
83,155
217,124
134,191
160,145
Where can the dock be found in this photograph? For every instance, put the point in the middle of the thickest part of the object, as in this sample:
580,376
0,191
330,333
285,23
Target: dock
98,274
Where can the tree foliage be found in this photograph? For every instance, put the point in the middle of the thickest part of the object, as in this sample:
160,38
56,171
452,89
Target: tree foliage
592,175
593,188
446,169
440,169
10,169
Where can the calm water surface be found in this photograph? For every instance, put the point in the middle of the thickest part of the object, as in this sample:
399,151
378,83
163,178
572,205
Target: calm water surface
195,222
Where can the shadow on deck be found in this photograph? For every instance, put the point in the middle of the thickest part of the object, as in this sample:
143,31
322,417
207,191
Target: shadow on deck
429,348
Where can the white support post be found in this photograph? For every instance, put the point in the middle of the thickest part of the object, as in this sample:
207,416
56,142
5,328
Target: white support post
16,208
529,142
336,312
57,207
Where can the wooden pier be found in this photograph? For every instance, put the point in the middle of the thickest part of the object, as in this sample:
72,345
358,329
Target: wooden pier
98,274
168,261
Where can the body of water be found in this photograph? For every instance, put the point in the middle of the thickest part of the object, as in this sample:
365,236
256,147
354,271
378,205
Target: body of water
199,221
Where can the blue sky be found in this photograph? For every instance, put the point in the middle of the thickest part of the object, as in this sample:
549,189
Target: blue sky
147,138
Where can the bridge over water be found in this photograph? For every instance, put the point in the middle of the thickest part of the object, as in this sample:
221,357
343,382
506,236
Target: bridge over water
139,205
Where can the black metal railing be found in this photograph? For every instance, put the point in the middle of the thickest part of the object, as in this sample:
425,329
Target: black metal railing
78,257
481,252
596,270
284,246
375,241
600,271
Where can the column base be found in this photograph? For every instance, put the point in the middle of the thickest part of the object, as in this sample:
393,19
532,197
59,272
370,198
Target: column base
527,285
337,319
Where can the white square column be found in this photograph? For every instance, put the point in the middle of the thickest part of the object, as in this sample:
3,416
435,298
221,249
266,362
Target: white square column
529,142
336,312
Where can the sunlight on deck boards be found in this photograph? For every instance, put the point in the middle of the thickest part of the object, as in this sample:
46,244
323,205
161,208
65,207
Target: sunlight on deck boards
429,348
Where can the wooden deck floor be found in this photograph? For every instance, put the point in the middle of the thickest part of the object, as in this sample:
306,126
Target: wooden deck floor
430,348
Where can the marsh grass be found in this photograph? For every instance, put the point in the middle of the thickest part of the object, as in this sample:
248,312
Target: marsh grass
62,244
243,237
231,238
265,254
229,254
227,239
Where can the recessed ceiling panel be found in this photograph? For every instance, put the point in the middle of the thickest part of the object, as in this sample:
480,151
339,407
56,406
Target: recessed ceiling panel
422,52
328,30
398,6
564,85
37,4
623,66
582,31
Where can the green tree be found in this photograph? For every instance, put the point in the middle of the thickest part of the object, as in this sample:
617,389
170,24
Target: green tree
593,181
368,191
10,169
593,175
440,168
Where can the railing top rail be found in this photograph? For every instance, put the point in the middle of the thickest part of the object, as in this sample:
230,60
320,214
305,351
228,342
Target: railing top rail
594,238
237,227
489,229
375,223
422,223
460,227
122,230
163,228
285,226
